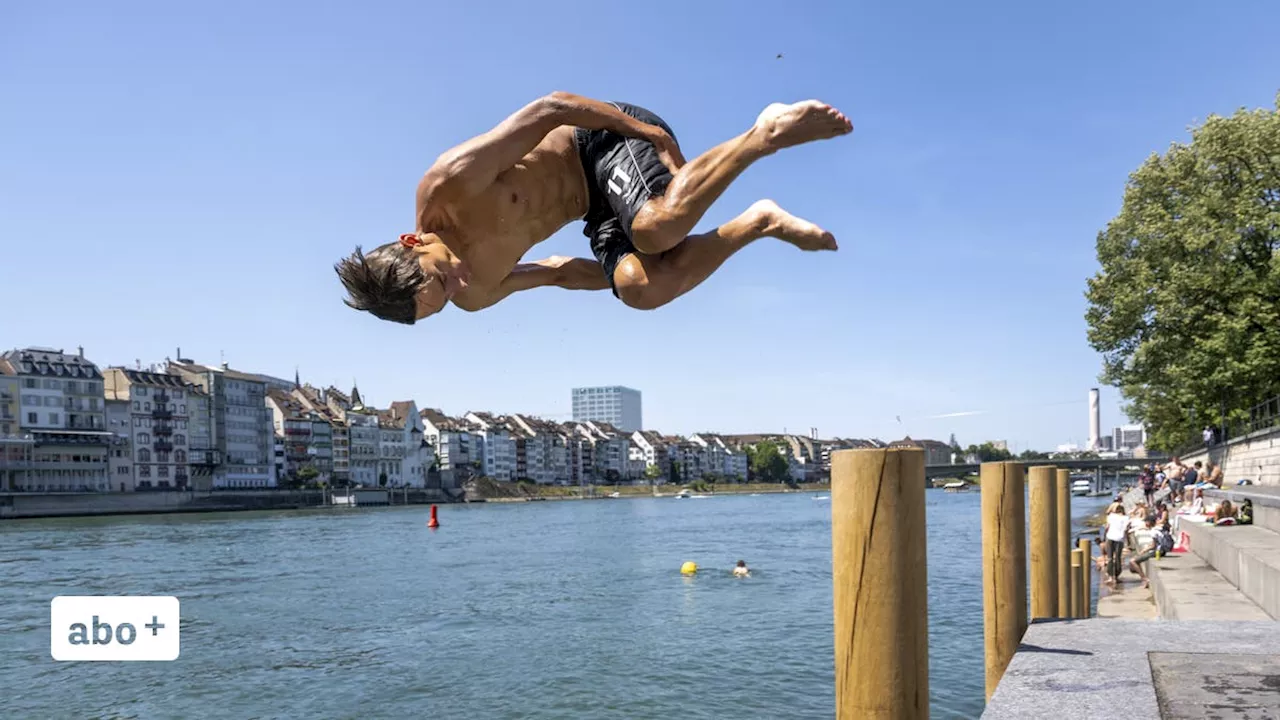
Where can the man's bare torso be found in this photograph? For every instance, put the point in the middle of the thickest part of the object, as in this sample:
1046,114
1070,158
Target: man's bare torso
492,230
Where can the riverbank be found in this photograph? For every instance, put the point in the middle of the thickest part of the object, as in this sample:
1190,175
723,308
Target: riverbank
15,506
486,490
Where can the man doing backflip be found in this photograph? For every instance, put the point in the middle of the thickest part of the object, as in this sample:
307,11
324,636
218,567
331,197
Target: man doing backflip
486,202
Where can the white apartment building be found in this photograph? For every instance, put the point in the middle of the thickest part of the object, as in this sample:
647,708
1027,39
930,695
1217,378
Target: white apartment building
62,408
404,456
612,450
619,406
457,445
652,447
499,444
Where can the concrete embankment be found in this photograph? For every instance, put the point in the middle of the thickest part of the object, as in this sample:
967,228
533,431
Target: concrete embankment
43,505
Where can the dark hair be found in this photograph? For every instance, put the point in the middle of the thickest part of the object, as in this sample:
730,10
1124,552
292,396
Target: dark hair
742,563
385,282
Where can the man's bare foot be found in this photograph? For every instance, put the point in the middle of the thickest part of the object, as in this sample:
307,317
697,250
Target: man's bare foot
802,122
781,224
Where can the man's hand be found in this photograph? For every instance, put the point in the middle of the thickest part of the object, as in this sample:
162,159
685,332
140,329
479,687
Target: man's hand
668,151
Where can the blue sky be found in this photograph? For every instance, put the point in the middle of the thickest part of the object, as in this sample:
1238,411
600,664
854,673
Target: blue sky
180,174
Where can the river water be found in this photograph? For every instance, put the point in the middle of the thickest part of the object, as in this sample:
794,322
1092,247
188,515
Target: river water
524,610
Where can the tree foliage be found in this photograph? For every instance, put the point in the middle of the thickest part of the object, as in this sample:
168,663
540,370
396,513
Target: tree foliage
767,464
987,452
1186,306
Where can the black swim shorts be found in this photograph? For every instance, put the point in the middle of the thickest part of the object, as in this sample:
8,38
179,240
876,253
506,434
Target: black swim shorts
622,174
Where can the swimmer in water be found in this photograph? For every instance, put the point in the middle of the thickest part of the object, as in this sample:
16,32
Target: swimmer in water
741,570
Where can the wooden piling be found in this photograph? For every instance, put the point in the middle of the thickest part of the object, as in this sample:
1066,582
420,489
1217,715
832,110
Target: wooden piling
1077,561
1004,566
1063,544
1041,482
1086,578
880,578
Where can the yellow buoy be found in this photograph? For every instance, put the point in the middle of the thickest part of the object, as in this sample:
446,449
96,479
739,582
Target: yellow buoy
689,568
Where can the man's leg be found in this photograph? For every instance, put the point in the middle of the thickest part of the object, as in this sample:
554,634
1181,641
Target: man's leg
646,282
664,221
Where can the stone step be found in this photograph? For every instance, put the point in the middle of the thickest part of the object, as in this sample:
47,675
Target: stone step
1265,499
1141,670
1247,556
1186,587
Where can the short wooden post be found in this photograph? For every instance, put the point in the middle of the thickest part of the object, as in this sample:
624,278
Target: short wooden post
1077,561
1063,508
1086,578
1004,565
880,583
1041,482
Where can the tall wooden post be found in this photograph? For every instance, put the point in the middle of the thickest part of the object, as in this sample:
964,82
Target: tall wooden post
1042,487
880,583
1086,578
1063,508
1077,562
1004,565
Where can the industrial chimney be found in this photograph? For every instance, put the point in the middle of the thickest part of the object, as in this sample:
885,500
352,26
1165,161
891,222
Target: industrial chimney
1095,420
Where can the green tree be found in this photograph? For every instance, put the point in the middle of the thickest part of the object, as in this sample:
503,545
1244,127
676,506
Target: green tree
1186,306
1033,455
767,464
307,474
988,452
652,473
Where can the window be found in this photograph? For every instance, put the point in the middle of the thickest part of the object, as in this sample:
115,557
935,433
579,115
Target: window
182,409
180,456
73,387
30,383
141,391
162,471
144,471
179,439
137,422
144,438
54,418
162,456
144,455
146,407
33,418
137,406
122,470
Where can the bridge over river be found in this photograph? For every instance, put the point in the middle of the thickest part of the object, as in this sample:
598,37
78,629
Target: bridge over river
1097,465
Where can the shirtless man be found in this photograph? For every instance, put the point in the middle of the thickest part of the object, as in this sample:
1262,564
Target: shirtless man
563,157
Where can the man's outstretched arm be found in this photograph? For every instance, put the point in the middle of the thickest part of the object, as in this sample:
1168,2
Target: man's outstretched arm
563,272
472,166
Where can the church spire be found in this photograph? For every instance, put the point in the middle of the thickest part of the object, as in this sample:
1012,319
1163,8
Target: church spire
297,379
356,402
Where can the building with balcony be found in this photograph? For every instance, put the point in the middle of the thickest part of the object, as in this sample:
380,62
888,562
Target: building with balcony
499,444
542,450
653,449
357,427
159,427
459,448
9,407
62,408
611,452
241,433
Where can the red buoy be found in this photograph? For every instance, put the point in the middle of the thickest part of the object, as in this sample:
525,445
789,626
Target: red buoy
434,522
